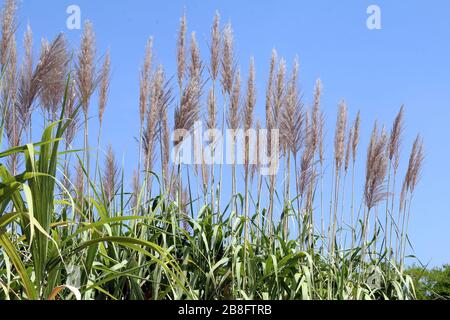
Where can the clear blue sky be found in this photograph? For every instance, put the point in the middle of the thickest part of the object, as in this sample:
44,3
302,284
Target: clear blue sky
407,62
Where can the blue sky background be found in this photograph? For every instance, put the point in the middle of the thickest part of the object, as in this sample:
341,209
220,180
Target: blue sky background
407,62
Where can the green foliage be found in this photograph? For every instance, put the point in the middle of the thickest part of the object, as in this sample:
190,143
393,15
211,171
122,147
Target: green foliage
431,284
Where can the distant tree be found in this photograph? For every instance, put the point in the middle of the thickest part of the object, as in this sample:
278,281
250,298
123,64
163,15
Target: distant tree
431,284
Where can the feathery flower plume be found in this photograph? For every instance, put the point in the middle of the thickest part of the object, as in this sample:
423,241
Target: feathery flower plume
418,163
153,114
395,139
339,139
181,50
235,104
316,114
215,47
105,78
72,128
189,109
26,73
52,57
250,102
144,86
414,169
292,115
227,62
376,169
9,87
278,93
8,17
195,67
269,89
212,111
85,67
110,175
318,94
54,81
